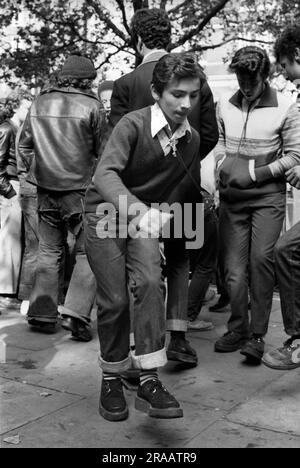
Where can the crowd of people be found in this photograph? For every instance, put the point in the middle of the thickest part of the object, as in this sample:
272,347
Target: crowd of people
95,187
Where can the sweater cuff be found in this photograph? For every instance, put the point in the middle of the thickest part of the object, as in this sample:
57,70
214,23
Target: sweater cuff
11,193
262,174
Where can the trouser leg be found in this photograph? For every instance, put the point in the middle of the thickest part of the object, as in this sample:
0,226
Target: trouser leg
267,219
235,229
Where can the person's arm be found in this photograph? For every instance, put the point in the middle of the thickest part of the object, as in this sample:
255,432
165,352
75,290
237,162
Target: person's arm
220,149
119,101
290,134
114,160
208,123
6,189
99,126
25,145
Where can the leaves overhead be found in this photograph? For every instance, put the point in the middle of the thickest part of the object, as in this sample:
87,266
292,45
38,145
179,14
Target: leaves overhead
38,34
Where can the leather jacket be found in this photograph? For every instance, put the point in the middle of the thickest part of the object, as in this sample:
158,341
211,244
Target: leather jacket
60,140
8,165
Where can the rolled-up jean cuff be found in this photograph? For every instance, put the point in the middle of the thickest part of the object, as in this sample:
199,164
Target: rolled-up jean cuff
149,361
114,367
176,325
65,312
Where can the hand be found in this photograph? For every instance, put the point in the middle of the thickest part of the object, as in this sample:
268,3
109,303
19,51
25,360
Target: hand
153,222
241,180
293,176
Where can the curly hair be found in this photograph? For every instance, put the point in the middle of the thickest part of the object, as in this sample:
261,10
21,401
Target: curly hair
7,108
178,66
251,60
153,26
287,42
65,82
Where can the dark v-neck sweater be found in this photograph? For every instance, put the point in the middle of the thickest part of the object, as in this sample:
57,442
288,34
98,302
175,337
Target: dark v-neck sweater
133,164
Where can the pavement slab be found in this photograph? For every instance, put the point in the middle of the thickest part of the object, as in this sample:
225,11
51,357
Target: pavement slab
22,403
50,388
223,434
274,407
80,425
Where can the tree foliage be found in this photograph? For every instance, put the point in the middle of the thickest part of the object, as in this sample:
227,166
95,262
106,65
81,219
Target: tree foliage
36,35
45,31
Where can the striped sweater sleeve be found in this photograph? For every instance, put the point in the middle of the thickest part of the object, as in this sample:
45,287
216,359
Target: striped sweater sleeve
220,149
290,133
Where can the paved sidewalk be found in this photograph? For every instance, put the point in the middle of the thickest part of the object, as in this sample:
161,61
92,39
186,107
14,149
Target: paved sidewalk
50,389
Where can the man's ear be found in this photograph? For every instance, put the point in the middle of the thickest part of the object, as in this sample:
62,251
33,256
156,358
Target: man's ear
154,93
297,55
140,46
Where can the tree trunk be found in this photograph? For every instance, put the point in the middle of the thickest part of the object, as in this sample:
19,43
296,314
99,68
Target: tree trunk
138,4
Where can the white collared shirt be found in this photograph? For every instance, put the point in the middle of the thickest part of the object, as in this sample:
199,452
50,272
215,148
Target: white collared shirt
161,129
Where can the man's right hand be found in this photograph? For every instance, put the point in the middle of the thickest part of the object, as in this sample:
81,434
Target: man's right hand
153,222
293,176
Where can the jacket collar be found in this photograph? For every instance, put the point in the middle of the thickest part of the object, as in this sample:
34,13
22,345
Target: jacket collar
70,89
154,56
267,99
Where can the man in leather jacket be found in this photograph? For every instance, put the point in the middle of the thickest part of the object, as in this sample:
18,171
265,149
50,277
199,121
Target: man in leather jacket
60,144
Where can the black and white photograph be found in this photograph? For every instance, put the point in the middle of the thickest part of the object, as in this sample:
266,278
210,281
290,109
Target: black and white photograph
149,227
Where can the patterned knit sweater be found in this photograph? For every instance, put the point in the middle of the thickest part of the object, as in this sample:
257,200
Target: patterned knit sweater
258,143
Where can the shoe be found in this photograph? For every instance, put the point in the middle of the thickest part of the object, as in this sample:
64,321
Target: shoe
209,296
230,342
254,349
42,325
285,358
80,330
221,306
180,350
155,400
200,325
112,404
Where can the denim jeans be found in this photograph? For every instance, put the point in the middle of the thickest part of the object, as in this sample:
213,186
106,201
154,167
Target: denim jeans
29,206
121,265
59,211
287,266
203,265
10,242
248,234
177,270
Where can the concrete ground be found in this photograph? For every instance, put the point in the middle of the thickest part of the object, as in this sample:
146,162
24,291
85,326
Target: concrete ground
50,389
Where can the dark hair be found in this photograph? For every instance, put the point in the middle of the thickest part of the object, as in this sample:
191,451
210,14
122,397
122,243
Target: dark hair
251,60
183,65
153,26
287,43
8,107
65,82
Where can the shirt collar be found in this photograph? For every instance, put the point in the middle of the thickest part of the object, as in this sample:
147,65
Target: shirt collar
154,55
267,99
159,122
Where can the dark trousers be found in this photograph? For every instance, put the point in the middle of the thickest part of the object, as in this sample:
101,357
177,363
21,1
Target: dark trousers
248,233
59,212
287,265
203,265
120,265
